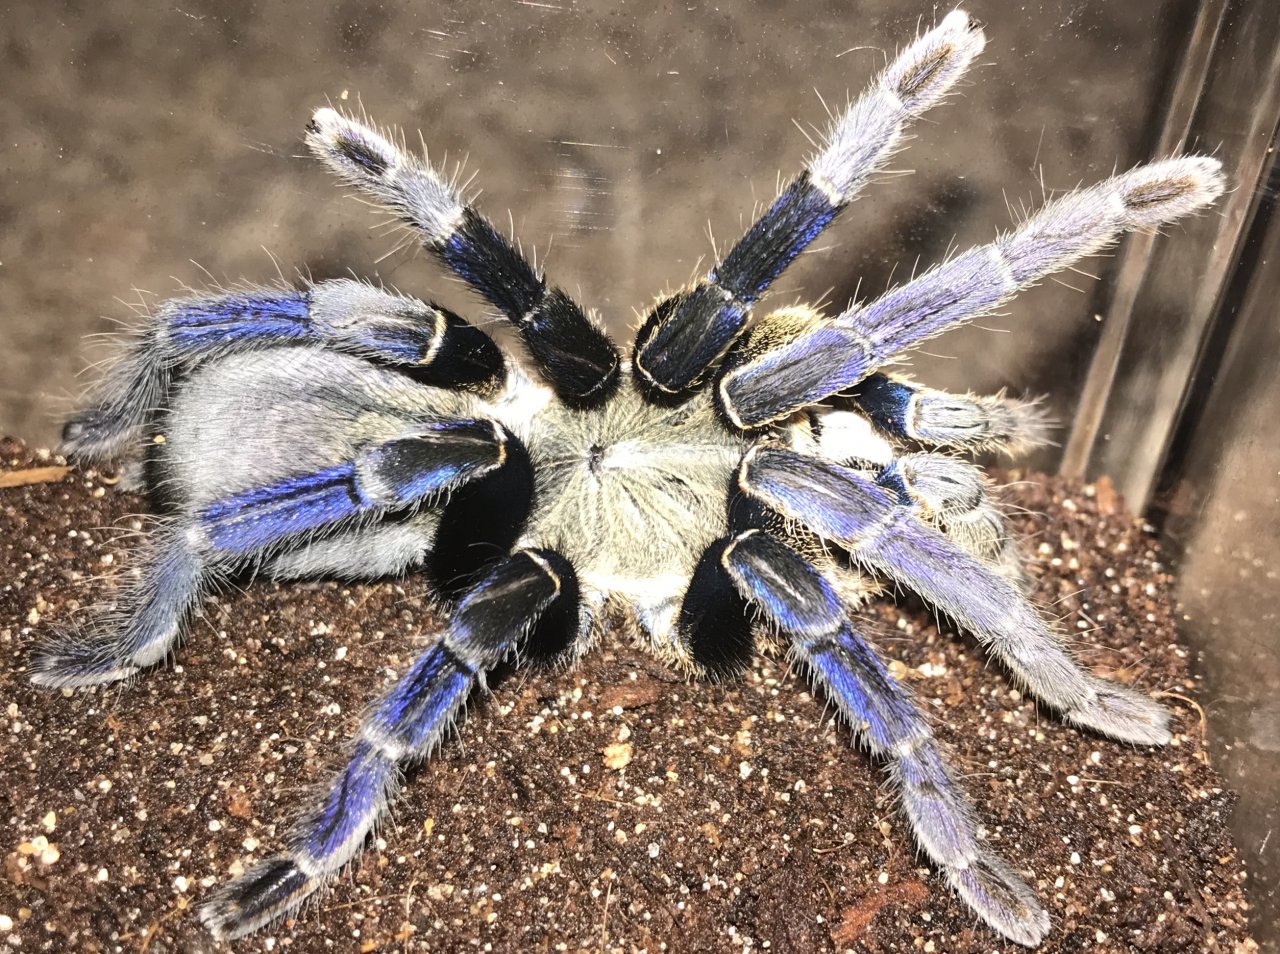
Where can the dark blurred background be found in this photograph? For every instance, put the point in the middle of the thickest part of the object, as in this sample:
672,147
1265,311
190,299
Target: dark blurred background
150,147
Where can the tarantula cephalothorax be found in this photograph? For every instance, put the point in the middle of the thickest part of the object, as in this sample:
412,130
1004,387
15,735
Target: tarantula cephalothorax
734,480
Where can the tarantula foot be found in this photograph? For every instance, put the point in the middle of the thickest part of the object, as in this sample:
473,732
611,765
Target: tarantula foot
1002,899
77,426
1122,713
69,661
266,893
81,426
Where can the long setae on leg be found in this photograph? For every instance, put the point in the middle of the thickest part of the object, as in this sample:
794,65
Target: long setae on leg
685,333
409,722
143,626
187,555
796,599
385,328
573,354
767,379
952,495
852,511
971,422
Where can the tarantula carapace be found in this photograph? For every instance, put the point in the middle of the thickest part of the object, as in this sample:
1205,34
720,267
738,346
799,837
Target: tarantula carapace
738,480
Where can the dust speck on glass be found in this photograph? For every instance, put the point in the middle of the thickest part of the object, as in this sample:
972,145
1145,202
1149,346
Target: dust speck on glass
733,482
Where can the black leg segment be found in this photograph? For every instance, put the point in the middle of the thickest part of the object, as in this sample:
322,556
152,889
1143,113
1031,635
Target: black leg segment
481,523
575,356
685,334
714,622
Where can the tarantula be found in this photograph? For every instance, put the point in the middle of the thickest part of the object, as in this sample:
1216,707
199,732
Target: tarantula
738,482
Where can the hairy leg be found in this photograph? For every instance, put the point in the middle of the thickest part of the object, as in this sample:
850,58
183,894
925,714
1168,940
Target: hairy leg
685,334
785,364
953,496
406,725
191,551
573,354
144,625
350,316
971,422
800,602
865,519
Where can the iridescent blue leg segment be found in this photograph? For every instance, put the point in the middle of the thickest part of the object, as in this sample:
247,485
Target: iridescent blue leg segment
573,354
686,333
433,344
771,378
880,533
429,459
510,605
796,599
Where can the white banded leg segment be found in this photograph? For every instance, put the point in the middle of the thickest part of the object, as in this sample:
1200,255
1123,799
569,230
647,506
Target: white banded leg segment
800,602
409,722
571,351
351,316
842,352
865,519
685,334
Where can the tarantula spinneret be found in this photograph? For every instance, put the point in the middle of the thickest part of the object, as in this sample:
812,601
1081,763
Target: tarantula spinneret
740,480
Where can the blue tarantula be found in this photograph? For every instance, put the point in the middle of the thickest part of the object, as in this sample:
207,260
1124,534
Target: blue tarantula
738,482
